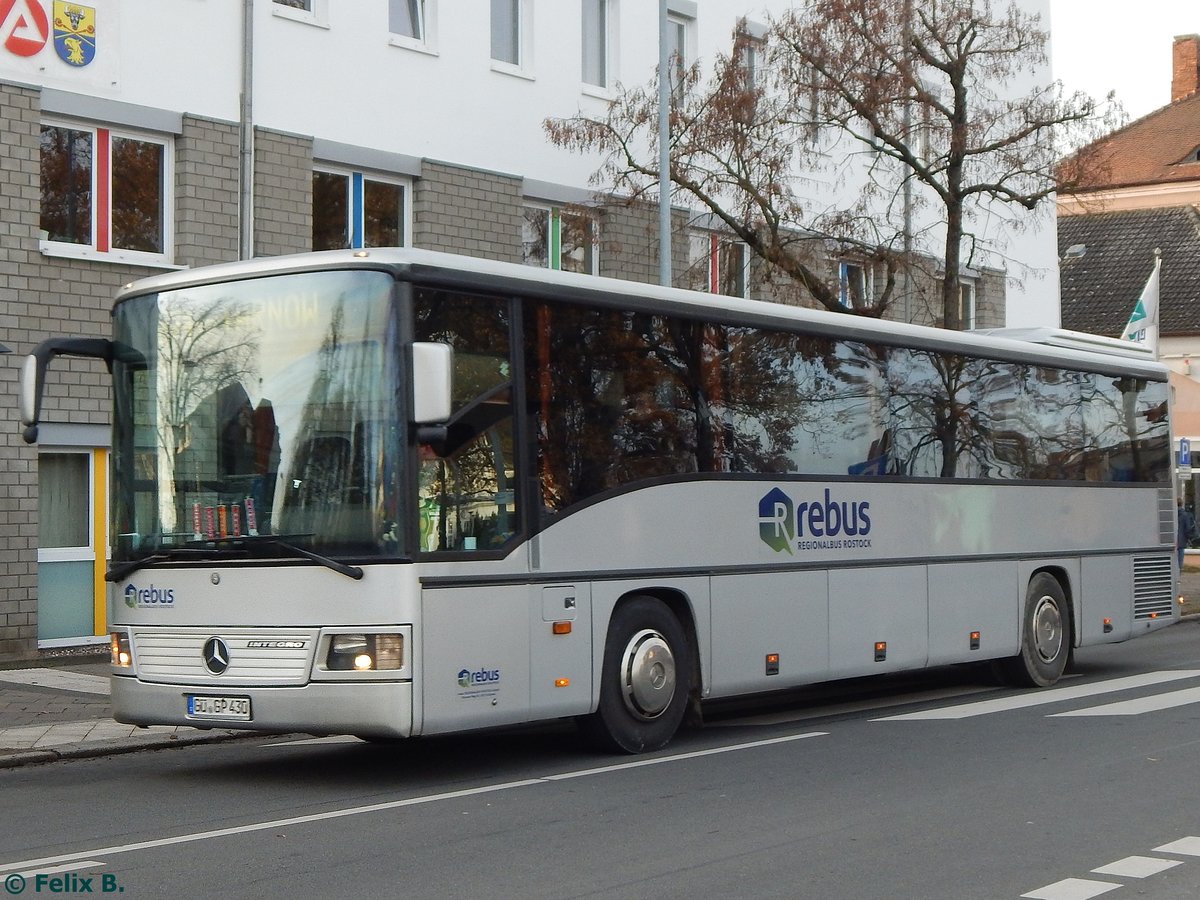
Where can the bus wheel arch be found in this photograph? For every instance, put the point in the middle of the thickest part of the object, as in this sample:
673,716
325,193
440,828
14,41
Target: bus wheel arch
1047,632
648,674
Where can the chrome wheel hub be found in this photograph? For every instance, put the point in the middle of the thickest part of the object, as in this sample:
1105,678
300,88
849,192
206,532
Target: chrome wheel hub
647,674
1047,629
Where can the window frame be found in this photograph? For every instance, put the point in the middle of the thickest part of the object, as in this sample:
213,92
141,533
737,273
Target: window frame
684,25
607,52
523,65
847,268
315,12
968,299
553,246
100,247
707,249
73,552
356,182
427,15
750,45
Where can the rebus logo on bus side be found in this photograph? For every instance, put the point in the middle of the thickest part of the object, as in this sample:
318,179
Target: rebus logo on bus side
467,678
825,524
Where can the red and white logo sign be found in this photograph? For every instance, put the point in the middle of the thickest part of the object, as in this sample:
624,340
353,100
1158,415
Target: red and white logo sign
24,28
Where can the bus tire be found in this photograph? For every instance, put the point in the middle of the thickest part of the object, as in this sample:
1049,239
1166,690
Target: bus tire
645,679
1045,636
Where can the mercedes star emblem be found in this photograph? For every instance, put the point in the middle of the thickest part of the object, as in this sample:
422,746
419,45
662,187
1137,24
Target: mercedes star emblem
216,655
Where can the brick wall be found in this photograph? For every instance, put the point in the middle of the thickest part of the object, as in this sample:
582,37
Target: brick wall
19,111
206,199
629,243
468,211
989,300
283,166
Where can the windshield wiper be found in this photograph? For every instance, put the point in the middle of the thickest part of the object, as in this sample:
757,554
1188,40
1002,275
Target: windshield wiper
124,570
223,549
341,568
279,541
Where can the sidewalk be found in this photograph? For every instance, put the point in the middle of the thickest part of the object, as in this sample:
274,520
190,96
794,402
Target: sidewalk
60,710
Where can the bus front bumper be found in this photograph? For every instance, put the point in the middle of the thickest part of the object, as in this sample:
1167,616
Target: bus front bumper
381,709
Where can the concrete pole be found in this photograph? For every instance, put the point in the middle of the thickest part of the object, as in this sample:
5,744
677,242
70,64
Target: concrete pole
664,149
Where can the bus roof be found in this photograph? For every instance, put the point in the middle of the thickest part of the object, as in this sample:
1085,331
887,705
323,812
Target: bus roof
1048,346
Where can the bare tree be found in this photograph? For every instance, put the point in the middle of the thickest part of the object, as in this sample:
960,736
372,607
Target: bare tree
914,108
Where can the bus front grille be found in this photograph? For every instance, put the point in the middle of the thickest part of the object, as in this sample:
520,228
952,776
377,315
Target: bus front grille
1152,583
264,656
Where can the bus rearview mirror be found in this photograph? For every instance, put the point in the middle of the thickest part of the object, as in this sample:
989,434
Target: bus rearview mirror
432,381
28,394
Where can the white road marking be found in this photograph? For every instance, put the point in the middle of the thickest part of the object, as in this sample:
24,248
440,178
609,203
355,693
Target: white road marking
1188,846
1043,697
695,754
1137,867
72,867
1138,706
309,742
789,716
1073,889
28,864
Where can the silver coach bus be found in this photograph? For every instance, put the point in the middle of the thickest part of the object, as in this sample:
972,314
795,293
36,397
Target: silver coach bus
394,493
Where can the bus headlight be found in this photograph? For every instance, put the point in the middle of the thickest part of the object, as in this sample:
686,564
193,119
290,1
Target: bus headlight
365,652
120,654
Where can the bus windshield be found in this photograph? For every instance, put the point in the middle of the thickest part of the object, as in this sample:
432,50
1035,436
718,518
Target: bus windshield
255,409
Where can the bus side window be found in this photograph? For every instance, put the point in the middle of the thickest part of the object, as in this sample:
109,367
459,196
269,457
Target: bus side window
466,498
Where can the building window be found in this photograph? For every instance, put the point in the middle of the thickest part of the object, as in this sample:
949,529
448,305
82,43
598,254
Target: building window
104,192
554,238
595,43
407,18
854,285
311,12
749,45
717,265
351,209
679,29
966,304
506,31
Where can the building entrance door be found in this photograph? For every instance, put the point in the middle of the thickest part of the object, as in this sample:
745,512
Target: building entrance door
71,546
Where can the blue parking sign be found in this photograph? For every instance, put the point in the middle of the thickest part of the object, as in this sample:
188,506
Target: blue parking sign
1185,452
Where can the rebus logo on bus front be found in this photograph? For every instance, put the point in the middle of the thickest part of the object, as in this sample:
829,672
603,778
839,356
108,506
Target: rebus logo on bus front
148,598
826,524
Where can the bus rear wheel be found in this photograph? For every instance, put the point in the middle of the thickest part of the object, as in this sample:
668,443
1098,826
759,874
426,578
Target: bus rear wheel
1045,636
645,681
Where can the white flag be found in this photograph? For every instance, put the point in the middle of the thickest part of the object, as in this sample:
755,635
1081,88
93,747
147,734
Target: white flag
1143,324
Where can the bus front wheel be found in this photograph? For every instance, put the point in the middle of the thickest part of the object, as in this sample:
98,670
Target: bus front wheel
645,680
1045,636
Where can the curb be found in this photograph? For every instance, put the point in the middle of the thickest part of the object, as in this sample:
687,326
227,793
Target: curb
17,758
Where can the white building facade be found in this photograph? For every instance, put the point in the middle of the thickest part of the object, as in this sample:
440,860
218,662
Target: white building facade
143,135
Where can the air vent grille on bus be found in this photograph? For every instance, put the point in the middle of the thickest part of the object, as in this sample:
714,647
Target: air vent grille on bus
1152,587
255,655
1166,516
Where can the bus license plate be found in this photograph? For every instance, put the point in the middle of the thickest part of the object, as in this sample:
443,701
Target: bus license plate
218,707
